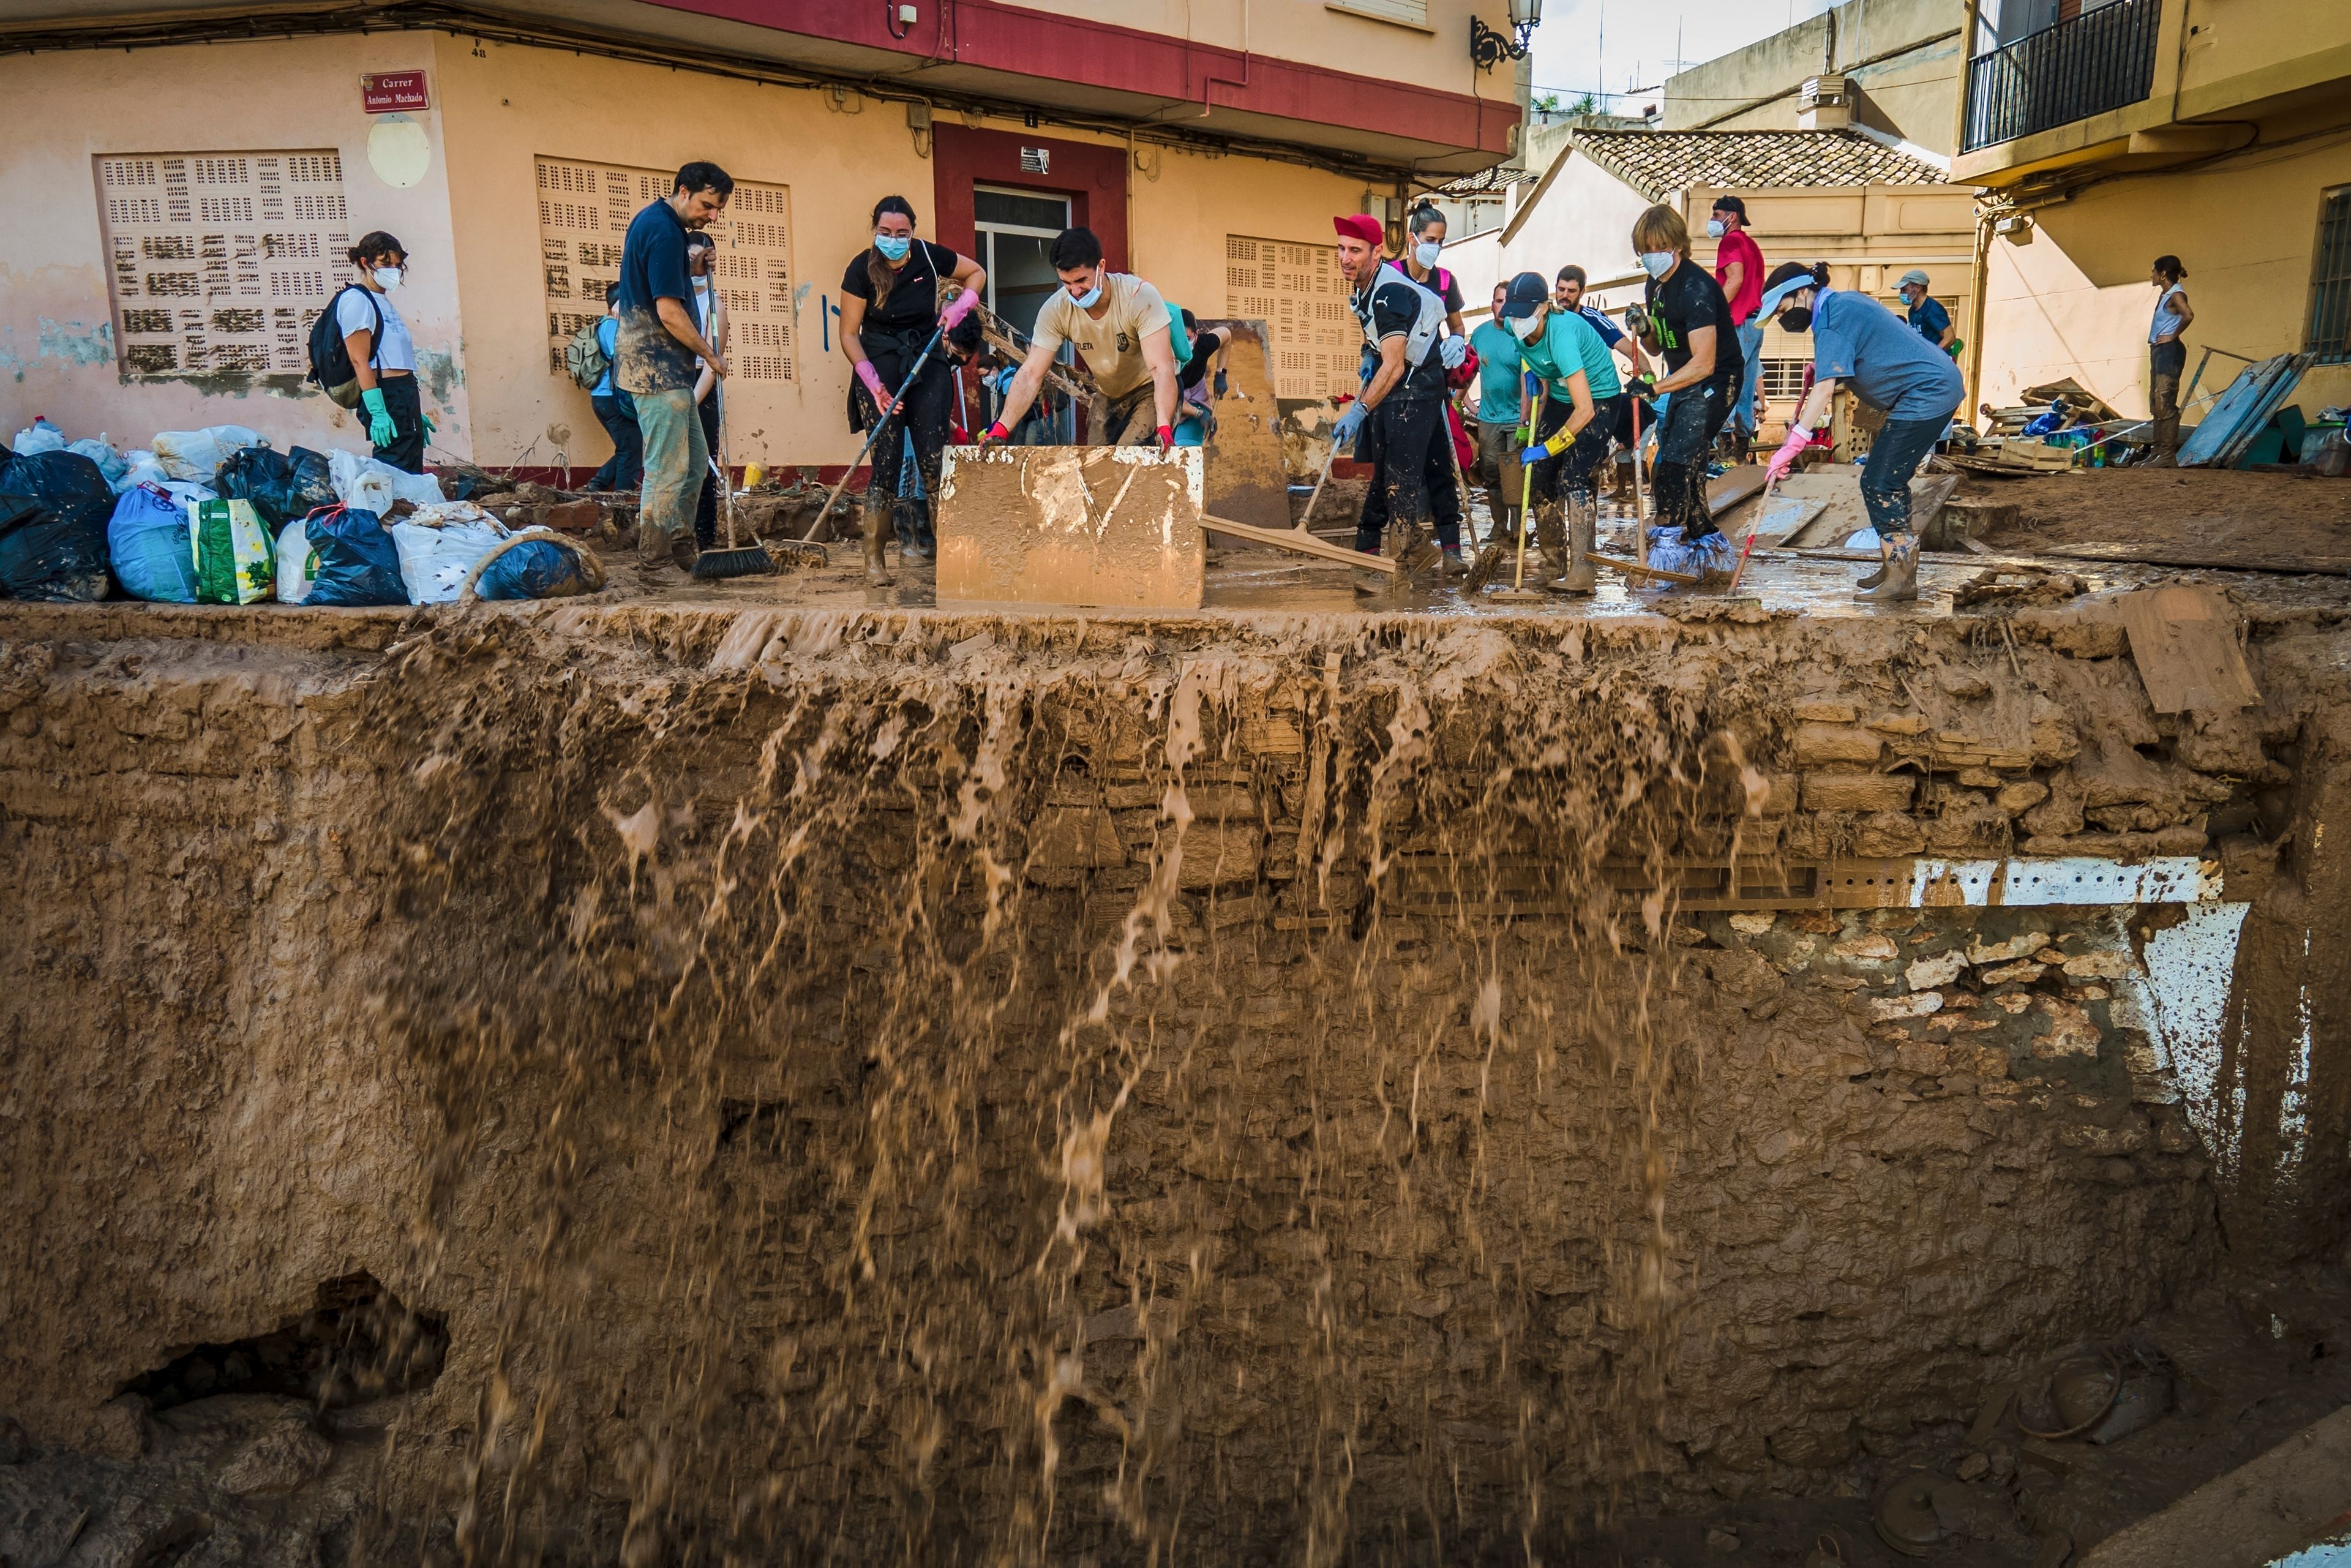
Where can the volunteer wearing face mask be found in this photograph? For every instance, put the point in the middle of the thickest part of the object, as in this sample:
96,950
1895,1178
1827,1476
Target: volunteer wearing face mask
889,312
1857,341
1401,412
1688,321
1578,375
1739,267
383,354
1119,326
1926,316
1425,241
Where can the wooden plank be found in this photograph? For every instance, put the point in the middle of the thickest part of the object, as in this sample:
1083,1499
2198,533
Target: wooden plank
1733,486
1245,477
1299,541
2184,639
2208,560
1781,517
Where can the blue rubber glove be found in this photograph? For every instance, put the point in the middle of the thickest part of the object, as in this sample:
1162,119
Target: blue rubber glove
1453,351
1350,424
380,430
1540,452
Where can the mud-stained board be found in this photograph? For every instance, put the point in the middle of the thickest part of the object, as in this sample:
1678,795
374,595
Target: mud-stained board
1085,526
2183,638
1245,478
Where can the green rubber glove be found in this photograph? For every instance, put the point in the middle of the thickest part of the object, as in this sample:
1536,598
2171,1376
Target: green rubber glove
380,430
429,426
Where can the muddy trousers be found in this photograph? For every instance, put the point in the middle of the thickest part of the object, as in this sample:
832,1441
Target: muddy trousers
921,420
1496,441
1570,474
625,469
676,456
1405,441
405,450
2164,363
1894,454
1694,416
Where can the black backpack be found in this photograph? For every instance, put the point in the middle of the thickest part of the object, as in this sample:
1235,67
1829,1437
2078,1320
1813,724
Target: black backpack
331,360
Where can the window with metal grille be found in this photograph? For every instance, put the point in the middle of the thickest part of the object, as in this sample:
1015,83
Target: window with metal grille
2329,333
1784,378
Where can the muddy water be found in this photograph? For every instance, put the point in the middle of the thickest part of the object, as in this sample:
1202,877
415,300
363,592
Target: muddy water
1005,1089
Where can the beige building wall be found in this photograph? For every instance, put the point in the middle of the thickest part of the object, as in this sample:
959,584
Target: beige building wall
1902,55
2076,301
472,225
56,339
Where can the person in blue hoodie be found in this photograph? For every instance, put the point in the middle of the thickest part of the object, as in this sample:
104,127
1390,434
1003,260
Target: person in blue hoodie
1859,343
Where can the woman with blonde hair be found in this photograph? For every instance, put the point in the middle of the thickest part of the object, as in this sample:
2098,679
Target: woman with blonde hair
1685,319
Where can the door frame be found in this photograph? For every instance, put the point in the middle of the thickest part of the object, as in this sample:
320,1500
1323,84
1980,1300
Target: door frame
1093,177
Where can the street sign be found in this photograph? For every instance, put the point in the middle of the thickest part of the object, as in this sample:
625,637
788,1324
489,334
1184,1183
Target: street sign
395,92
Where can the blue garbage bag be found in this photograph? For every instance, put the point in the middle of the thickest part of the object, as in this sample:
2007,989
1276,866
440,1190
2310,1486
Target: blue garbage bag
147,545
356,560
54,507
535,570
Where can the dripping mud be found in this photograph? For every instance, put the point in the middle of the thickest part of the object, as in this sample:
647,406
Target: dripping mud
667,1086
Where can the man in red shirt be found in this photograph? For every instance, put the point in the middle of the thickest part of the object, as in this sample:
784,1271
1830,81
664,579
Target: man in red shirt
1739,267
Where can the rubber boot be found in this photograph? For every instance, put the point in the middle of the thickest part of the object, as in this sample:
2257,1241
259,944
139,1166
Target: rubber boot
1582,539
1875,577
1551,541
1901,585
876,521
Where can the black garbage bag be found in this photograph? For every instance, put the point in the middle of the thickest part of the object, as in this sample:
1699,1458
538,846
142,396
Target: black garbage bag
54,508
355,562
282,485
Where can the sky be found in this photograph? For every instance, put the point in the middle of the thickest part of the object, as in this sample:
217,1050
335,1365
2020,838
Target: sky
1635,42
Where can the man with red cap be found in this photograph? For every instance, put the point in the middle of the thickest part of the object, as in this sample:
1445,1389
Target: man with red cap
1400,413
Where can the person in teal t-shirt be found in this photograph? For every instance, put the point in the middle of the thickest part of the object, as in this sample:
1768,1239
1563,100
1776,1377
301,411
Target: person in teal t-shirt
1571,430
1499,412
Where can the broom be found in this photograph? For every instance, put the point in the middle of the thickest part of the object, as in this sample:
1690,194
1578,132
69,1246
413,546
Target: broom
1519,592
732,561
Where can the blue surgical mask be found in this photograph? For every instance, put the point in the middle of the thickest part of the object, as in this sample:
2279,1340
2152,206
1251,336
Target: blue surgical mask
1658,263
1714,229
893,247
1426,253
1086,301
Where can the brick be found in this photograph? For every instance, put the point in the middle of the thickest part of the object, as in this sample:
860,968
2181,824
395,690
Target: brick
1899,724
1857,791
1819,743
1817,711
2022,795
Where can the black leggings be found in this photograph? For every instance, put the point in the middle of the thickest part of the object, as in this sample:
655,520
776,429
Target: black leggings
405,450
1571,470
1405,440
1694,417
705,511
923,414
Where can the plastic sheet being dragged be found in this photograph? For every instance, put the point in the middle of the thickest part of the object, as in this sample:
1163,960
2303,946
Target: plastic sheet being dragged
1670,550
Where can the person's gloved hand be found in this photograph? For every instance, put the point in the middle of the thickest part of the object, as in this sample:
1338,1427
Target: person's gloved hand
1642,387
873,380
1784,459
1224,385
1351,422
429,426
1166,437
961,306
380,430
1542,451
1453,351
995,435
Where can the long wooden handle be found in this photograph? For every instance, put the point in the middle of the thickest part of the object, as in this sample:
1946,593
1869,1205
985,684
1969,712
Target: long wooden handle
880,425
1307,516
1301,543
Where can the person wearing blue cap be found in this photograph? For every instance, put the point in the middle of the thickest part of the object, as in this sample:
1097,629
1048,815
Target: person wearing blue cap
1577,374
1859,341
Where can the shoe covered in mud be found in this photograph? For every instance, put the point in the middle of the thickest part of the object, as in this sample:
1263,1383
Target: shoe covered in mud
877,562
1582,539
1454,567
1900,582
1875,577
1369,582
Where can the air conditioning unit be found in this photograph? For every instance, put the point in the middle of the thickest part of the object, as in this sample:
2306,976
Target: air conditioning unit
1822,103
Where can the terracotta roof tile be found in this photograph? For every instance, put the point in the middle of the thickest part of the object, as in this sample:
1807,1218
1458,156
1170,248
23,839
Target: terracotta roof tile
1657,161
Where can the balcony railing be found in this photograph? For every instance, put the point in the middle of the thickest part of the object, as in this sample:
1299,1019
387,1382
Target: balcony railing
2087,65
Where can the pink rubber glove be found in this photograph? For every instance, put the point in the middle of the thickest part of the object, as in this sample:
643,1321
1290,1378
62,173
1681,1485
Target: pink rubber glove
873,380
1785,458
958,307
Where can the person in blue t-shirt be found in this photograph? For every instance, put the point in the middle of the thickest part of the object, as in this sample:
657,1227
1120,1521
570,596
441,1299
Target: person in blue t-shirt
1858,342
1926,315
615,410
658,342
1499,412
1577,378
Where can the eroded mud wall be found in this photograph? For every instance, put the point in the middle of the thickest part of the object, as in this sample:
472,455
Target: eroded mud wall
930,1084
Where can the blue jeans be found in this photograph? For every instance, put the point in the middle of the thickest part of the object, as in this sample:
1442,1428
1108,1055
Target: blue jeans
1751,344
625,469
1900,446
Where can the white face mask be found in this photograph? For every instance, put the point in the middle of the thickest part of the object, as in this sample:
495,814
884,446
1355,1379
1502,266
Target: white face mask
1524,328
1714,229
1426,252
1658,263
387,277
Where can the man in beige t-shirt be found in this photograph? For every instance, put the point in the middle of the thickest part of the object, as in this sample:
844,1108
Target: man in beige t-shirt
1119,324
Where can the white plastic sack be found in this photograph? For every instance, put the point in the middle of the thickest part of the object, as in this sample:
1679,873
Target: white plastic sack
295,564
38,436
365,483
111,462
195,455
434,561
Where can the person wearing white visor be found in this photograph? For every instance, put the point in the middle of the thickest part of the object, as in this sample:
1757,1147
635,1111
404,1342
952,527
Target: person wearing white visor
1858,342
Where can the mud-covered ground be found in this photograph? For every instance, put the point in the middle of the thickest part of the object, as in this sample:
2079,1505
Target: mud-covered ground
2210,516
657,1083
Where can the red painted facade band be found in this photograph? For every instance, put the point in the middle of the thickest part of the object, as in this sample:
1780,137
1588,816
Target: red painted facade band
989,35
